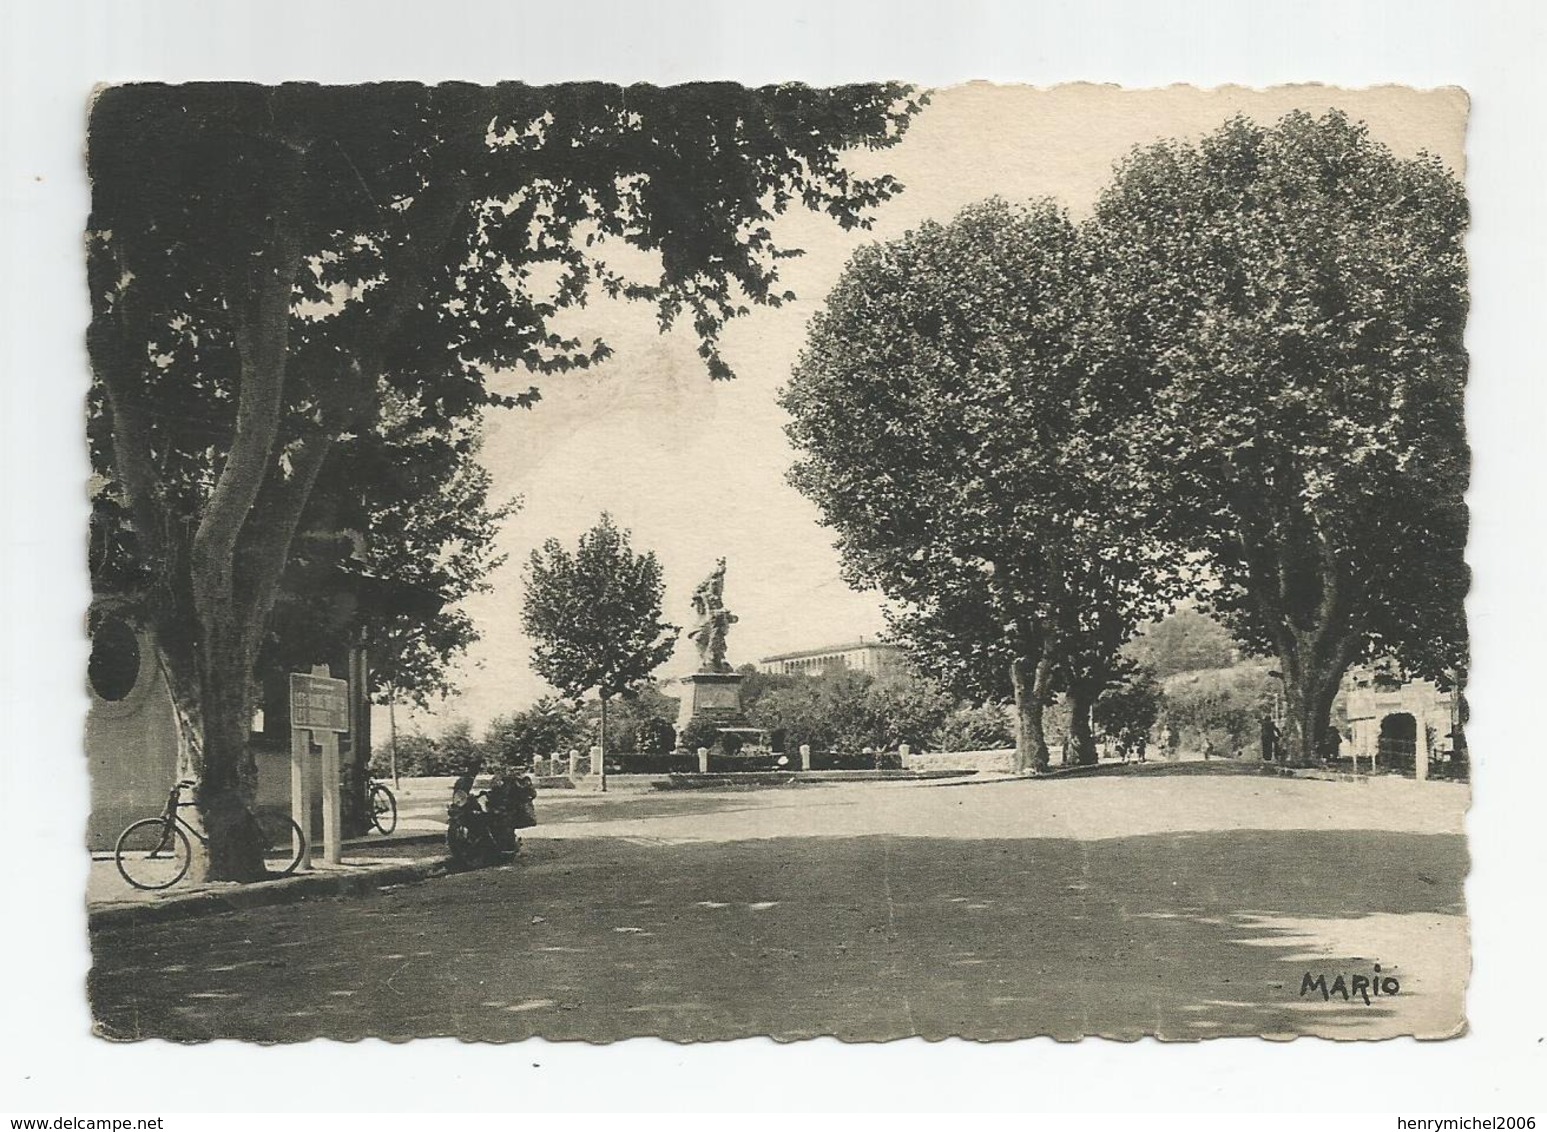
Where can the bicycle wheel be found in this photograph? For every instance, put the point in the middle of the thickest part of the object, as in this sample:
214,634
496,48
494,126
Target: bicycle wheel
383,809
468,846
283,842
152,853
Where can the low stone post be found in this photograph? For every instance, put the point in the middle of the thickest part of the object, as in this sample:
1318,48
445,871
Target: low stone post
903,751
596,765
805,756
703,760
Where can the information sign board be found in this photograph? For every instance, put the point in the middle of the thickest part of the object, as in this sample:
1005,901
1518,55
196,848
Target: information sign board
319,703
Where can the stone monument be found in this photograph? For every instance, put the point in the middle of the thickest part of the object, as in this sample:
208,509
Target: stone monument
714,691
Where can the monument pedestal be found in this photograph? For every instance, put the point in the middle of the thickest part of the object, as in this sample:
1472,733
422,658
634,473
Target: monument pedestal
711,695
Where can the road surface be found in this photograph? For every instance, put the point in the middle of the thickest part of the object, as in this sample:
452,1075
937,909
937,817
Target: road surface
1168,904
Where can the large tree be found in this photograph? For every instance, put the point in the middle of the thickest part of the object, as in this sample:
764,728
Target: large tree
394,597
1285,305
941,411
594,616
270,266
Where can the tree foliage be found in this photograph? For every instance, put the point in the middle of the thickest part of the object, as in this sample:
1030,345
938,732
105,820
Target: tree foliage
278,274
845,711
550,726
1285,307
433,498
594,614
1222,706
947,434
451,753
1128,712
985,727
1186,641
640,721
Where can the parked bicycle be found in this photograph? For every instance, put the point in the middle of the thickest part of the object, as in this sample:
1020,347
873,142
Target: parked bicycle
156,853
383,807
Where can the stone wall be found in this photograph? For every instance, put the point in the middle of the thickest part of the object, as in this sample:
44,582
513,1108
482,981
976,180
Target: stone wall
132,749
985,762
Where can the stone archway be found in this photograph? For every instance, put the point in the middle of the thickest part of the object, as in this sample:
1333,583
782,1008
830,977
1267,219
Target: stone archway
1398,741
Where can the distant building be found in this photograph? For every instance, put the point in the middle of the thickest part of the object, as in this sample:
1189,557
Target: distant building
874,657
1399,723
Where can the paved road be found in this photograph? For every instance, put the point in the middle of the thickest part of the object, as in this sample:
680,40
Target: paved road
1187,907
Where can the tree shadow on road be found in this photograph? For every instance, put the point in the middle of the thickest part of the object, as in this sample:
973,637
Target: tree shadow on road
874,937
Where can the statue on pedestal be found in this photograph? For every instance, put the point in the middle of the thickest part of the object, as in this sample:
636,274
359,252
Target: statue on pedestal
714,621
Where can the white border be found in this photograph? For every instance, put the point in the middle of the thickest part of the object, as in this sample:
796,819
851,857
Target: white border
54,51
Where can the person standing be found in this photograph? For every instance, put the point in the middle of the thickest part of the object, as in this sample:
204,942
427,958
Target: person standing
1269,739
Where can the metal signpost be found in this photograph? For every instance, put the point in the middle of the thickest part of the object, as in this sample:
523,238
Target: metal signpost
319,711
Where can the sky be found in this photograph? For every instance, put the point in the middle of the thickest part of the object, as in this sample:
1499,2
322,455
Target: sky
696,468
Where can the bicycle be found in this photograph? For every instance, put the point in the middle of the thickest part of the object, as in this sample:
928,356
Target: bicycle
383,807
155,853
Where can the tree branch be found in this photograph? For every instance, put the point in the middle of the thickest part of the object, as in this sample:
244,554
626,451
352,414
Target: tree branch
272,535
108,338
432,219
137,475
262,335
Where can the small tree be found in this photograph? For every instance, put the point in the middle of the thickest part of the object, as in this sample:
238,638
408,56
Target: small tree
1128,712
595,617
417,755
906,707
828,711
845,711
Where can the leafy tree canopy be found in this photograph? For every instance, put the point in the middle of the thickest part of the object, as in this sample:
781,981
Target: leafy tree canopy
594,614
1186,641
1128,712
549,727
1285,307
640,721
947,436
279,274
844,711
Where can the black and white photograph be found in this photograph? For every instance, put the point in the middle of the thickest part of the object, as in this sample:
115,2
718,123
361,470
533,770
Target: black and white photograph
706,562
588,559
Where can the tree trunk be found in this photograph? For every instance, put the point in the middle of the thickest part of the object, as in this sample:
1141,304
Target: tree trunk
231,615
244,531
1312,676
1029,681
356,771
1311,600
392,734
354,790
601,746
228,776
1081,735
